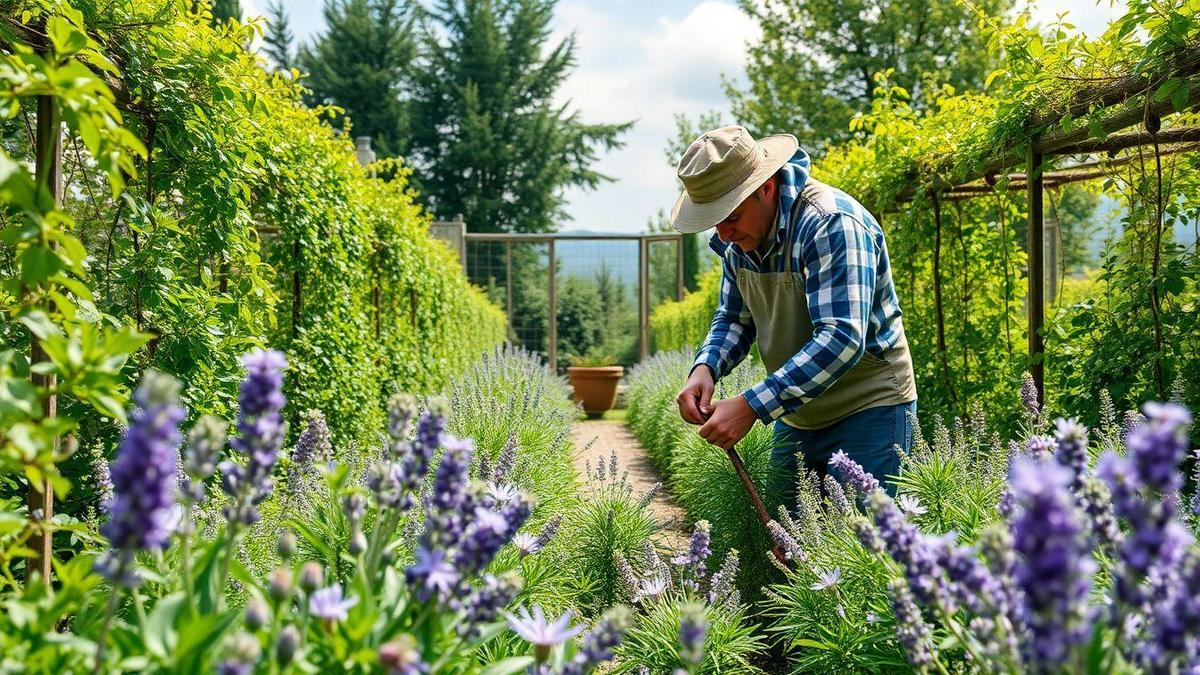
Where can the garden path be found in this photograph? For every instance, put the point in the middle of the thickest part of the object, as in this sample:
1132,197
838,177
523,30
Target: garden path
598,438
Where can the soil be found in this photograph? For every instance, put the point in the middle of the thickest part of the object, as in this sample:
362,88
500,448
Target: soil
604,436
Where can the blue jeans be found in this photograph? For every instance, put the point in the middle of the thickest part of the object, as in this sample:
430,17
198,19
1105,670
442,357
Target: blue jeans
869,437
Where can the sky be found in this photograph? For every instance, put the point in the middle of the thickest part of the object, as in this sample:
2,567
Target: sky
644,61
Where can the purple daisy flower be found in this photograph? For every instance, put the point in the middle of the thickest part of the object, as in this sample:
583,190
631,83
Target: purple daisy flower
329,604
542,634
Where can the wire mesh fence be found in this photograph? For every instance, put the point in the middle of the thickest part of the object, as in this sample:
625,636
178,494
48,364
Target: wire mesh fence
595,306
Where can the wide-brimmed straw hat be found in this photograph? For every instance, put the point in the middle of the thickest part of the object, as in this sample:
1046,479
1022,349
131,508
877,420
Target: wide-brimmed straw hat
722,168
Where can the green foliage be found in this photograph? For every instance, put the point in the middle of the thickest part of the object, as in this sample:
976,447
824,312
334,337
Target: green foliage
360,64
685,324
815,65
278,39
488,140
701,476
226,10
653,642
610,520
580,316
962,277
244,197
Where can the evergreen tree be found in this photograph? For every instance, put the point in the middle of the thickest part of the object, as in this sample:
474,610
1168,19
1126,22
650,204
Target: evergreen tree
487,140
815,65
360,64
226,10
277,42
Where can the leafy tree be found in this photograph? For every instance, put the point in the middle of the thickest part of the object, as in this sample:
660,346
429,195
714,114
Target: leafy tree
277,42
488,142
686,130
1074,206
580,317
360,64
815,66
226,10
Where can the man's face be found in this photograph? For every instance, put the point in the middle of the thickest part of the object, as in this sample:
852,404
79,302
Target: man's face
747,226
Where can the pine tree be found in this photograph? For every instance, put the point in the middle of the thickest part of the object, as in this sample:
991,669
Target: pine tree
487,140
360,64
225,10
277,42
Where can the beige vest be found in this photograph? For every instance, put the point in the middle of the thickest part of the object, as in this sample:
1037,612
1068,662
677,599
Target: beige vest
779,306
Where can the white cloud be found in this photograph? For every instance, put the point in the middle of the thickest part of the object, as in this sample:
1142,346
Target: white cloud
647,71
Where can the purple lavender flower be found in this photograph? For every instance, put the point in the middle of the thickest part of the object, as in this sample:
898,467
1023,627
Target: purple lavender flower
837,496
1143,486
1071,440
626,578
1158,446
260,435
1041,447
868,536
791,550
693,627
722,589
103,481
329,604
313,446
1096,501
693,561
1196,481
542,634
447,503
205,442
483,538
853,473
598,644
484,603
506,460
1053,567
911,630
549,530
1174,631
143,478
416,457
1029,397
914,552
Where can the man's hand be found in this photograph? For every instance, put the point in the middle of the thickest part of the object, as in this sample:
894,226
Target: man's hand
729,423
694,400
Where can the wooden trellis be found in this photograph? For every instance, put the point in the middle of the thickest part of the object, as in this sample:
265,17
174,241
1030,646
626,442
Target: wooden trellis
1034,180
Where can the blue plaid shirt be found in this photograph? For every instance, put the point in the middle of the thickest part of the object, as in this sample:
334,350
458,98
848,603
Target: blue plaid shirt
848,283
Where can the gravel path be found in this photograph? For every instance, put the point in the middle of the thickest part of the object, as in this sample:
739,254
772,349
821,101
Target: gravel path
604,436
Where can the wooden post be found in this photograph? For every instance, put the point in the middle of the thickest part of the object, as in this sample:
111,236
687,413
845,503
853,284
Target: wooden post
49,176
508,294
552,318
680,242
1037,276
643,299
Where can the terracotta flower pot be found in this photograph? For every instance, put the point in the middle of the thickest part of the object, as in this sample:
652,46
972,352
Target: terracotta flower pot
595,387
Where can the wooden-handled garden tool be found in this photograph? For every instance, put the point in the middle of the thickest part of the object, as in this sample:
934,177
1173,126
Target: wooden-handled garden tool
761,508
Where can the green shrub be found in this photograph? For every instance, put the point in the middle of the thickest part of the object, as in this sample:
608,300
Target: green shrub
653,642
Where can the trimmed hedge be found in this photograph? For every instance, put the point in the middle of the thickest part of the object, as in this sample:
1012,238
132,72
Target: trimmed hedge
245,196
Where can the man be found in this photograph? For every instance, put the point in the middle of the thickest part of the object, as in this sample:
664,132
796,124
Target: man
806,274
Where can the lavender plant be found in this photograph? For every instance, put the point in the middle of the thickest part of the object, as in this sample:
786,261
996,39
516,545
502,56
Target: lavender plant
369,607
1024,599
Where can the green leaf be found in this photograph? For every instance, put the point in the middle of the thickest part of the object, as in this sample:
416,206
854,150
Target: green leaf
508,666
67,39
160,625
39,263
